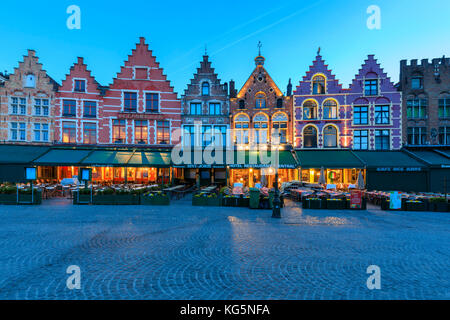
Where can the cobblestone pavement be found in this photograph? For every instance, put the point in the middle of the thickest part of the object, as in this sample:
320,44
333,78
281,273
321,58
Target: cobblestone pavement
185,252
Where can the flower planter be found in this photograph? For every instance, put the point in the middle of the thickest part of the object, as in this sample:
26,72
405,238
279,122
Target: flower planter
8,198
123,199
82,199
438,206
335,204
155,200
305,204
214,201
244,202
198,201
315,204
103,199
416,206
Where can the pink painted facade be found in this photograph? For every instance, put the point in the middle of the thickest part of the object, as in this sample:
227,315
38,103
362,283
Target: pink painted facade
140,107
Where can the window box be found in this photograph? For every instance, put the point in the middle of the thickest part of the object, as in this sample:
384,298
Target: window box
155,199
416,206
335,204
314,203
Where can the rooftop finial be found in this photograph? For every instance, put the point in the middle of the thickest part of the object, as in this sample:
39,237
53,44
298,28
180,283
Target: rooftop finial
318,51
206,50
259,48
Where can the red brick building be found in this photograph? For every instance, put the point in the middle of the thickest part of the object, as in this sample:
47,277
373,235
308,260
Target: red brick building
139,107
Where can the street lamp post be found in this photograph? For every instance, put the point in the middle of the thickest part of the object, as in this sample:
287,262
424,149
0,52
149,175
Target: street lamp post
276,211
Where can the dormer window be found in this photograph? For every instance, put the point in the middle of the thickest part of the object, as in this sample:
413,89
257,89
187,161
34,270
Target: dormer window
30,81
205,88
260,100
318,85
371,87
80,86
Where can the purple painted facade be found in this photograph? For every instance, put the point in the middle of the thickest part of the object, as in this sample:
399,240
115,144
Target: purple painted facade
366,116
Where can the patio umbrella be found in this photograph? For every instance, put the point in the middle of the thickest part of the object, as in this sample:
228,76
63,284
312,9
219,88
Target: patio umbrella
322,176
360,182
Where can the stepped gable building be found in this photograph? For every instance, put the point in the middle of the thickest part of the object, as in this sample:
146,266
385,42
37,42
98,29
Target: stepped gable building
367,116
259,107
320,108
375,109
426,101
140,106
205,106
79,108
26,103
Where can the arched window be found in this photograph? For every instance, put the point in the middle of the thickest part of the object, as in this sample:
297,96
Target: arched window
309,110
260,100
260,124
241,124
330,109
329,137
280,123
310,137
205,88
318,84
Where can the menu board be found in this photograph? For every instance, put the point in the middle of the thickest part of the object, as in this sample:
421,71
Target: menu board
395,200
356,199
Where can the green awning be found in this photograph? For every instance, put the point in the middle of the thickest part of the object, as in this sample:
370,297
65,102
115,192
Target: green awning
432,157
150,159
17,154
235,159
106,158
390,161
62,157
329,159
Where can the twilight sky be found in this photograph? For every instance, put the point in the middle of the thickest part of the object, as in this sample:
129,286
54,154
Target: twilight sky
177,32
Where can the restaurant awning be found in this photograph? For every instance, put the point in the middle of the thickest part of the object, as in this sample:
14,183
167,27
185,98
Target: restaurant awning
18,154
235,159
331,159
150,159
432,158
390,161
62,157
99,158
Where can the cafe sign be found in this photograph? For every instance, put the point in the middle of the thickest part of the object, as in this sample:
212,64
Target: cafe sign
399,169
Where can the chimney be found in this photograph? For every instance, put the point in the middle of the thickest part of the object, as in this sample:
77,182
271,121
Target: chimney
289,88
225,87
232,89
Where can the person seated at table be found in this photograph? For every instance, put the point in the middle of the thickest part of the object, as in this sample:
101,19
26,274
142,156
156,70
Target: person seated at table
265,191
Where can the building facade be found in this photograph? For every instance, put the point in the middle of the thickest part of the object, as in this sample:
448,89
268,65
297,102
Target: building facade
366,116
138,108
426,101
258,108
205,107
27,103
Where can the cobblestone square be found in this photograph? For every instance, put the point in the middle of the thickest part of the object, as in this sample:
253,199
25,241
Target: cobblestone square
185,252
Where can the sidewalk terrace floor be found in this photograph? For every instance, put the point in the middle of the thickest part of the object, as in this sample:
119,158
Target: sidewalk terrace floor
185,252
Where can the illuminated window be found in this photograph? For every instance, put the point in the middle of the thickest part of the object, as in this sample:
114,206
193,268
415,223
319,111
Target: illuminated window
140,131
89,133
261,125
241,124
360,139
280,123
318,84
416,108
329,109
444,107
69,132
310,110
310,137
163,132
329,137
119,131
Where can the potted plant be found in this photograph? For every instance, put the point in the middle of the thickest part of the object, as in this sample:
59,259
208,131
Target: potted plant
199,199
158,198
438,204
213,200
124,196
82,196
104,196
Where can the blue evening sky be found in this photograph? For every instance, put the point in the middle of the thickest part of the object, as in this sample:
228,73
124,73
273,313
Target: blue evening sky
177,31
